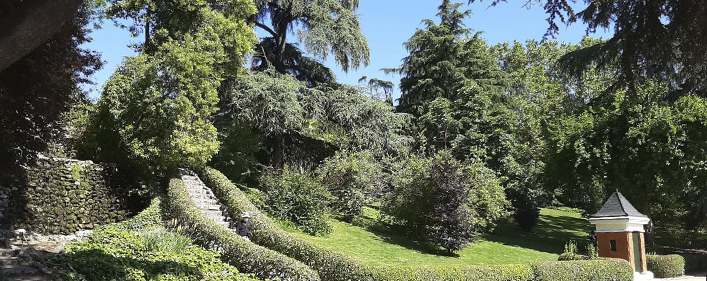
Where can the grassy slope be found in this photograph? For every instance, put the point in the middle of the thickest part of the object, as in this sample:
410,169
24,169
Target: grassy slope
506,245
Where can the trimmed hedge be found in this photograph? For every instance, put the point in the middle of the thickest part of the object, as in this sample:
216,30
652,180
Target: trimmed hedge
667,266
246,256
590,270
331,266
511,272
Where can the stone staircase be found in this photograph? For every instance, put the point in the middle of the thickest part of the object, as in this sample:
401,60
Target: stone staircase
17,266
204,199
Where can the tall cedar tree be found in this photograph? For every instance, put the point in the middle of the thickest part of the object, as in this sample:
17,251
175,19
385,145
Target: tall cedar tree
326,27
442,60
453,84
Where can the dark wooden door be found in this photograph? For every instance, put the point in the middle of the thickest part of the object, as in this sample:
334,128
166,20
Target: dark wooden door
638,265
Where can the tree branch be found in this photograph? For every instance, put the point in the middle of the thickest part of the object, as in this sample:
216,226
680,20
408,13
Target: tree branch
31,25
266,28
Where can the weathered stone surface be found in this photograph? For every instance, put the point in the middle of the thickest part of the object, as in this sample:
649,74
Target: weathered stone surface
62,196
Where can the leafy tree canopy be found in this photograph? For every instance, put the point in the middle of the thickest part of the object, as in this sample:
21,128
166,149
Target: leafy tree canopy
279,107
653,39
645,149
160,103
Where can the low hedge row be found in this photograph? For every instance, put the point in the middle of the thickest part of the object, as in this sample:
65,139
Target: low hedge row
588,270
512,272
666,266
331,266
246,256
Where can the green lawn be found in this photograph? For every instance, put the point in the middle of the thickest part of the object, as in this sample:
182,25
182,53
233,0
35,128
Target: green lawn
506,245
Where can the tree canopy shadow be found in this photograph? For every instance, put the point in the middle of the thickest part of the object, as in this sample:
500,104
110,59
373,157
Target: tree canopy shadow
397,237
550,235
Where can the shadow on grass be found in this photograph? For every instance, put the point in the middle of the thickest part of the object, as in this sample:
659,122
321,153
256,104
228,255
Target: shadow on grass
409,244
396,235
550,235
95,264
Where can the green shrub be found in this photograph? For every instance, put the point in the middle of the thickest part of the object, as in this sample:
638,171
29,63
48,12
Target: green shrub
512,272
299,198
353,179
117,252
572,257
331,266
667,266
570,253
246,256
445,201
525,205
589,270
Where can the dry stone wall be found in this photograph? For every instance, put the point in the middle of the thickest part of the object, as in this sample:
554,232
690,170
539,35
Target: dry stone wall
63,196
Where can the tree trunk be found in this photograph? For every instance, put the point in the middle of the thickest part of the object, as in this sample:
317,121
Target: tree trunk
646,209
31,25
278,153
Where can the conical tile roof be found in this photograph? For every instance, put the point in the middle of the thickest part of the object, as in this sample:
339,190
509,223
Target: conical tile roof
617,206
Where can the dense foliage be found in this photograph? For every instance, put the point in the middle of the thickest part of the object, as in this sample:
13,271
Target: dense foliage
141,249
644,147
159,104
354,179
299,198
445,201
36,90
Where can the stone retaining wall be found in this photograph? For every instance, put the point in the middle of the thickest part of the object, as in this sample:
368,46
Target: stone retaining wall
63,196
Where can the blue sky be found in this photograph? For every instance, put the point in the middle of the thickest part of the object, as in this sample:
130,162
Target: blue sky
386,24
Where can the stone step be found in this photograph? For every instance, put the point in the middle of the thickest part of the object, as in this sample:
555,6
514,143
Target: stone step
10,261
19,270
33,277
202,195
211,207
204,199
223,223
212,213
200,191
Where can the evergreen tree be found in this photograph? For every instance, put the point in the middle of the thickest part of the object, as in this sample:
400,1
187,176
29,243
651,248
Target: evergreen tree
327,27
453,84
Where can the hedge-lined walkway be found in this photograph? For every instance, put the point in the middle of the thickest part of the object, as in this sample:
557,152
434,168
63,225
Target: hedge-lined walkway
334,266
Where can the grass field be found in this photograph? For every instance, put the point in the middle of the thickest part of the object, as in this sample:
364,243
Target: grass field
506,245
